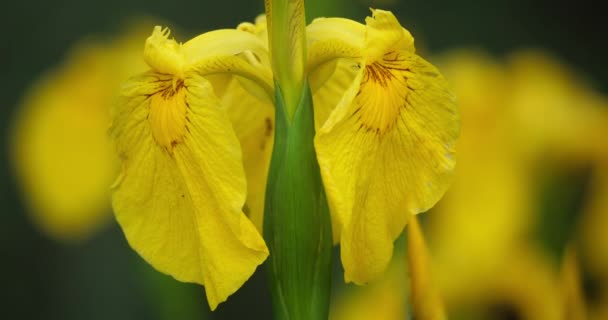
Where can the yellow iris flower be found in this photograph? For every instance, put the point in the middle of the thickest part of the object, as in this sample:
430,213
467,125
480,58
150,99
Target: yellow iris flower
386,126
194,134
181,193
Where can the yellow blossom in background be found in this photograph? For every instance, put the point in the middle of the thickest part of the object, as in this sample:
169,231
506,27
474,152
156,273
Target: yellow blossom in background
518,117
527,284
387,296
384,298
426,300
557,113
182,189
592,230
488,208
62,156
594,238
573,302
386,127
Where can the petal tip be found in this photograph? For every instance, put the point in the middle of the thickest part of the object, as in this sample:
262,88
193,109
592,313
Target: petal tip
163,54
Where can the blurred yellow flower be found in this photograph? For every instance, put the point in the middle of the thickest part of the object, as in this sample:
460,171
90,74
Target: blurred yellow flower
518,117
556,112
594,238
573,303
383,298
426,300
61,154
180,196
488,208
386,128
592,230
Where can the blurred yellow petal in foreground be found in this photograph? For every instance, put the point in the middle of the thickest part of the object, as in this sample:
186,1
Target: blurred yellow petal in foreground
61,153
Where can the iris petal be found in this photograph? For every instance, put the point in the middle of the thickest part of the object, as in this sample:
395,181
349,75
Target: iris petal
183,185
181,193
386,149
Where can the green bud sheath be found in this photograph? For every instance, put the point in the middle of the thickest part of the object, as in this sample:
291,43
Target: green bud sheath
297,226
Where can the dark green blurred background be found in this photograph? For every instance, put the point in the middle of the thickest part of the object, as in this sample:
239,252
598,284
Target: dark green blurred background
103,278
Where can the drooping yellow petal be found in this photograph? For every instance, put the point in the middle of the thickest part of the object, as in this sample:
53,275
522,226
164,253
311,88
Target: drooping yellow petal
386,150
251,113
180,195
252,118
182,189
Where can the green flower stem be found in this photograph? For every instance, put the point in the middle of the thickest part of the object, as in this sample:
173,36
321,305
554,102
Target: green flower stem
297,226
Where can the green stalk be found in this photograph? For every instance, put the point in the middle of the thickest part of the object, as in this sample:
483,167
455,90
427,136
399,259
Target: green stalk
297,227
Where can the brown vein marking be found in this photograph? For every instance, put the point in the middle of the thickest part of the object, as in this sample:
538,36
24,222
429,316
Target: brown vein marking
170,92
379,73
164,103
382,94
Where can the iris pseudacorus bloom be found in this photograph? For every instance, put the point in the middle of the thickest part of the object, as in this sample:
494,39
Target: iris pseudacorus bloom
180,196
386,125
